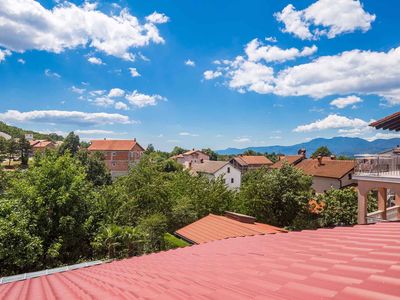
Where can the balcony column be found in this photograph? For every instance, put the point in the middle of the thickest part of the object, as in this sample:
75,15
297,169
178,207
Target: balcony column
362,207
397,198
382,201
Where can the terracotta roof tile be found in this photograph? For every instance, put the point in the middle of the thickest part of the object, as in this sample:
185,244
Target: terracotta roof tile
208,166
360,262
112,145
213,227
245,160
290,159
328,168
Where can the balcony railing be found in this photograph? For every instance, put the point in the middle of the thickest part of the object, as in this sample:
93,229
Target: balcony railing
377,165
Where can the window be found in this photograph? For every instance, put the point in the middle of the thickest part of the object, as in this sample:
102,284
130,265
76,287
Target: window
232,180
114,164
350,176
114,153
229,169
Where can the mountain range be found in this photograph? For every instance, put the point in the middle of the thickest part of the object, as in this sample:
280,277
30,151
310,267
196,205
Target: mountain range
347,146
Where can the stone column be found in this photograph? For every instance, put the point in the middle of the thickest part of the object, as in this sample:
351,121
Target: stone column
382,201
362,207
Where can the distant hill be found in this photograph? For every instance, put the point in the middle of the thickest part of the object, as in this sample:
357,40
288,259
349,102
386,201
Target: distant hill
339,145
17,132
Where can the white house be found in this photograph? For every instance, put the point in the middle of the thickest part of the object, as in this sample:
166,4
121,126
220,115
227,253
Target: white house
215,169
5,135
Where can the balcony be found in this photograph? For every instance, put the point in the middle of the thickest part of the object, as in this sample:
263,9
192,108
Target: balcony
377,166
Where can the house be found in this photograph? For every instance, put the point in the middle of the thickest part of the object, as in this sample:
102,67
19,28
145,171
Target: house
290,159
40,146
191,157
358,262
214,169
328,172
250,162
119,155
232,225
5,136
380,172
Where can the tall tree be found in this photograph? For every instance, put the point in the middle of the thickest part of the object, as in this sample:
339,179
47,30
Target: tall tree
96,170
323,151
24,149
12,147
177,150
71,144
212,154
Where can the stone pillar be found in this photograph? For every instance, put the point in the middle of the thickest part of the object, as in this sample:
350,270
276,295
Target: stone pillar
397,197
382,201
362,207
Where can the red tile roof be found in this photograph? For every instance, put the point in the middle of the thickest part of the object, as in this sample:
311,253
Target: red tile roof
40,144
328,168
213,227
353,263
290,159
112,145
245,160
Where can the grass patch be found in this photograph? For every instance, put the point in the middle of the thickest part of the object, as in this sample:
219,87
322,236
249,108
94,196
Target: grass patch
172,242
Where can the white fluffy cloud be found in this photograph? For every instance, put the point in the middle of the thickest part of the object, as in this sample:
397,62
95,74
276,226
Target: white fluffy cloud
190,63
77,90
343,102
116,92
325,18
26,25
141,100
64,117
103,101
208,75
95,60
356,71
134,72
242,139
332,122
121,106
94,131
3,54
256,51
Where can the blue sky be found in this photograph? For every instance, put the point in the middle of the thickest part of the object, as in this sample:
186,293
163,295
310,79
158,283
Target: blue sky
259,72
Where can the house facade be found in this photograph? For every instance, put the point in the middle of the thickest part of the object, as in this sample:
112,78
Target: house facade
40,146
215,169
191,157
250,162
119,155
380,172
328,173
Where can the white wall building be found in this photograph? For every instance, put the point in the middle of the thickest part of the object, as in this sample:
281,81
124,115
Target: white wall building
215,169
191,157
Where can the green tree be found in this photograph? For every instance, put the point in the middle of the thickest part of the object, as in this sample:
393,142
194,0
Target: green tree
3,149
323,151
95,168
55,196
177,150
150,149
212,154
276,196
71,144
12,148
24,149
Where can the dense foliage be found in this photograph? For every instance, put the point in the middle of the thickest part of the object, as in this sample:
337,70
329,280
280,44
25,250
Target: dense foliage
64,208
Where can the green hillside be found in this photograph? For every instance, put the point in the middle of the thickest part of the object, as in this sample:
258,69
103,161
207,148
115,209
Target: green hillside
17,132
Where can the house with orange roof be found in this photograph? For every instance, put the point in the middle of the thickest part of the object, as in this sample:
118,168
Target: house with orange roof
250,162
231,225
290,159
119,155
40,146
191,157
328,172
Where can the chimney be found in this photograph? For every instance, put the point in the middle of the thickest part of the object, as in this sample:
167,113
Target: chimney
302,152
105,139
134,139
333,157
240,217
319,157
